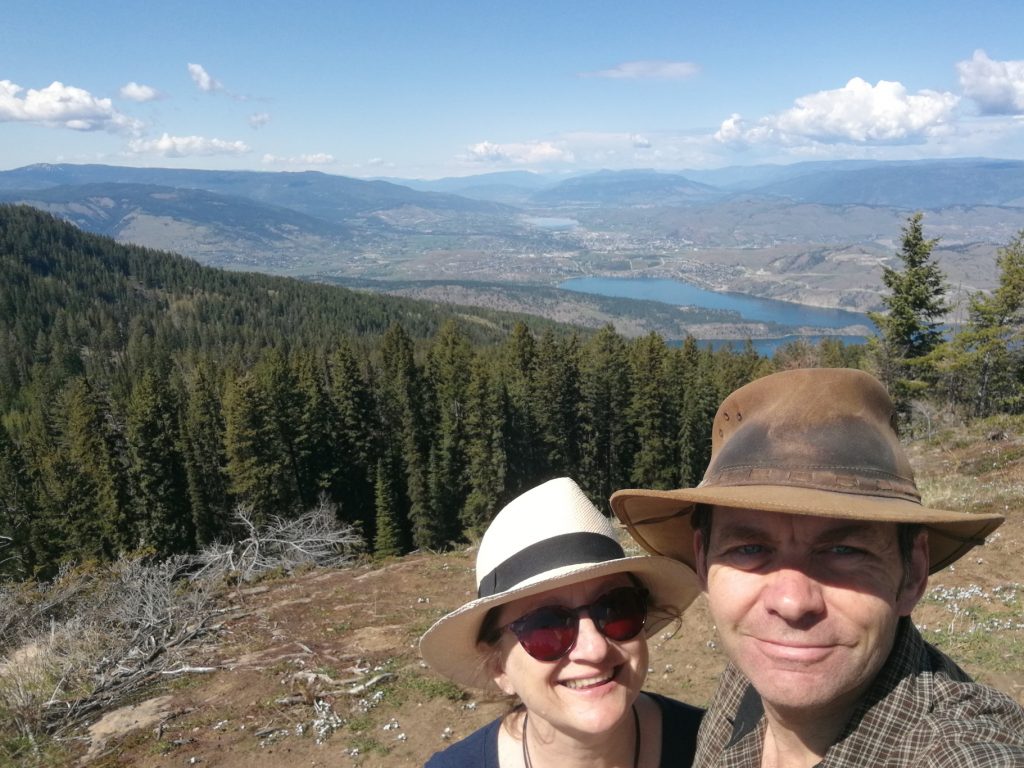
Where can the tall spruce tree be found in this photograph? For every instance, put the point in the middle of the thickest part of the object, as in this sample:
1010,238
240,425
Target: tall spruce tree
911,327
486,424
158,467
556,404
449,362
651,415
355,427
388,538
608,441
203,438
404,435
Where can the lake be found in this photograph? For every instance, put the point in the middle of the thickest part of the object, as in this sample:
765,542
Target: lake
751,308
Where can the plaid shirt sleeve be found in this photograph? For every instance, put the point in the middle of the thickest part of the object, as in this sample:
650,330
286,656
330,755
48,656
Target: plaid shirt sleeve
922,711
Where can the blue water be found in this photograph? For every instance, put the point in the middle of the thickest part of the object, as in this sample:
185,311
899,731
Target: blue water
750,308
678,293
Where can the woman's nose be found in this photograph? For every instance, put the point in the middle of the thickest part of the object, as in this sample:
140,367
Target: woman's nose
591,645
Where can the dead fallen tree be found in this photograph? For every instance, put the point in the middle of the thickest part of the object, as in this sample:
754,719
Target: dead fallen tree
314,538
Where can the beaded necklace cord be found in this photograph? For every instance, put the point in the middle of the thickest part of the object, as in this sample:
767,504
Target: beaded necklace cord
636,740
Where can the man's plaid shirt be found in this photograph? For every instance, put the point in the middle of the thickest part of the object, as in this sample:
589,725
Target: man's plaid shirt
922,711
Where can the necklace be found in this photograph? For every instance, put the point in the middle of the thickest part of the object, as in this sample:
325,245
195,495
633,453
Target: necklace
636,740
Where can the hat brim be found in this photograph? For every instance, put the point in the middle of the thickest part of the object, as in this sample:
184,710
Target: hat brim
450,645
659,520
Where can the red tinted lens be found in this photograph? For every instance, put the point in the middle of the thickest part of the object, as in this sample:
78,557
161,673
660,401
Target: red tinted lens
546,633
621,613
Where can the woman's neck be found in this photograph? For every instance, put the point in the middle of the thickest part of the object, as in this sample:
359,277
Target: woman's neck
547,747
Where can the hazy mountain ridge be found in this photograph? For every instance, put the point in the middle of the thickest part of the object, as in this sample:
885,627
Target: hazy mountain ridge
816,232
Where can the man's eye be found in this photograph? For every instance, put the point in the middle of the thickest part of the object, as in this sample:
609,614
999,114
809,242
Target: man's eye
844,549
749,549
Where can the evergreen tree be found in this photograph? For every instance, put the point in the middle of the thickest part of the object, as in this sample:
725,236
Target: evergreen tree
556,405
486,423
17,512
982,367
405,450
260,471
608,441
519,355
699,402
651,415
158,468
315,435
203,439
449,363
92,477
911,327
388,539
355,426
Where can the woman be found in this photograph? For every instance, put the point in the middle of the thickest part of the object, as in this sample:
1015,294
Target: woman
561,621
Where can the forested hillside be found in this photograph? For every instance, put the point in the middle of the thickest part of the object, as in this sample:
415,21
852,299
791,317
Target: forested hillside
145,397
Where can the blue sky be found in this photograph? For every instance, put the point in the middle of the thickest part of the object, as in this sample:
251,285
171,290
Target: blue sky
443,88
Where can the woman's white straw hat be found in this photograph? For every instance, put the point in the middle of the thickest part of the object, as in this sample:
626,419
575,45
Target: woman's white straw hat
551,536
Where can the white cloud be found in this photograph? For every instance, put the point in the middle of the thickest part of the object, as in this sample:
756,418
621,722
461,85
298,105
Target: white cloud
640,142
648,70
203,79
259,119
63,106
136,92
996,86
857,113
315,158
186,146
518,152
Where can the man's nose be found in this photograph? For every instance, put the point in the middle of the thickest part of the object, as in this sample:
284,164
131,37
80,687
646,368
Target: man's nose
793,595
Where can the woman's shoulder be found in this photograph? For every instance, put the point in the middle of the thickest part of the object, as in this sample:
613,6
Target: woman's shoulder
679,724
675,711
480,748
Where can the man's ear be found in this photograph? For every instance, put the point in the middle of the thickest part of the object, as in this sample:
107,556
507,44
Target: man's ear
701,559
916,575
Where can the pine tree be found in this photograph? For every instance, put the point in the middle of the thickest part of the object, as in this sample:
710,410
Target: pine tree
556,404
699,401
486,424
260,470
651,415
355,427
202,435
17,511
388,539
449,362
158,468
982,367
92,476
518,361
405,451
911,328
608,443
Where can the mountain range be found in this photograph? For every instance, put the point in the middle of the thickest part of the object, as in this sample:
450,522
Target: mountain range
767,230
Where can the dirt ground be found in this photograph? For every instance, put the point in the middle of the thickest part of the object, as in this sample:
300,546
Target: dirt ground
293,649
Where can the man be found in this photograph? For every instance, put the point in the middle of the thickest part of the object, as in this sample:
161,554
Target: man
813,547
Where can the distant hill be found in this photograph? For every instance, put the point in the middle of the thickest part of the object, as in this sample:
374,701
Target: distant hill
626,188
326,196
921,185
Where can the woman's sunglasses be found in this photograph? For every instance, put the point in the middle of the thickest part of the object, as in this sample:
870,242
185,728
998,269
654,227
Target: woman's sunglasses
550,632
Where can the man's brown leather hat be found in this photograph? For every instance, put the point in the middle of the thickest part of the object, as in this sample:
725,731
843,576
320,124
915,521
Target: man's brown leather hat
818,442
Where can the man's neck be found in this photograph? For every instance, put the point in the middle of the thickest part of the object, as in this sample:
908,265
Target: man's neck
797,738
